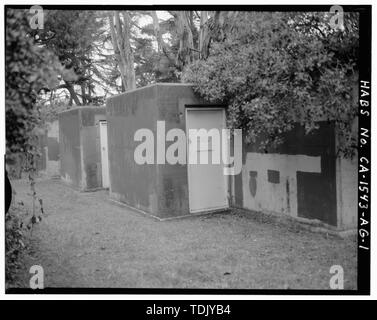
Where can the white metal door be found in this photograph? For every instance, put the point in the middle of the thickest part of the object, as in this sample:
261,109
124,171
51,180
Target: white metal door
104,154
207,182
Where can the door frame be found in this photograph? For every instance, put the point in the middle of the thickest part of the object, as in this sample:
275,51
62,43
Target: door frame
100,123
225,178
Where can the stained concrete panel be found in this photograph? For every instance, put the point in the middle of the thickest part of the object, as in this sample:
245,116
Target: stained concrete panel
41,161
173,198
348,192
70,150
79,147
131,183
158,189
53,156
307,176
53,149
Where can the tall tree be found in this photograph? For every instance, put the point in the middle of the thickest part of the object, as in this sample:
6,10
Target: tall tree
120,28
204,37
184,25
70,35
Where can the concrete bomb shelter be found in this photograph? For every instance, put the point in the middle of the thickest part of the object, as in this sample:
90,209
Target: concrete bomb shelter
162,190
302,178
81,152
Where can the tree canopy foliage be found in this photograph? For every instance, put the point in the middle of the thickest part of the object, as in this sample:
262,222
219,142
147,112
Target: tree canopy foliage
277,69
71,36
272,69
28,69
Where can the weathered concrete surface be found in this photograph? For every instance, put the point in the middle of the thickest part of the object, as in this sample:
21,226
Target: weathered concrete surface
48,142
129,182
347,180
41,161
172,183
69,148
347,187
301,178
80,148
160,190
53,158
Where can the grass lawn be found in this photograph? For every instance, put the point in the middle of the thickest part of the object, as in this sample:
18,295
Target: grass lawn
86,241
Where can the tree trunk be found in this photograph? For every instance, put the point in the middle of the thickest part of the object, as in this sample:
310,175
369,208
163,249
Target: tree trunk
157,32
73,95
212,24
161,45
117,54
120,36
186,41
204,35
131,81
83,94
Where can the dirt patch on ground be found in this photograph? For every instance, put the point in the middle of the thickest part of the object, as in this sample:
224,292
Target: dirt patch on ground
86,241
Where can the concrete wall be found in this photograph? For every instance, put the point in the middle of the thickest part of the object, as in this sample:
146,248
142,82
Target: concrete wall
160,190
131,183
48,140
79,147
347,178
41,161
347,193
298,178
347,187
52,149
301,178
69,147
172,185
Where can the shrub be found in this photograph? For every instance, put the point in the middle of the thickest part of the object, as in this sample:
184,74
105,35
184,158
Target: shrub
276,69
